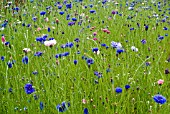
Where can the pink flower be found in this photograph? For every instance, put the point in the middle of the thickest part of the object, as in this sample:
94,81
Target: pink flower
38,29
160,81
84,101
95,39
50,43
94,33
105,30
46,19
3,39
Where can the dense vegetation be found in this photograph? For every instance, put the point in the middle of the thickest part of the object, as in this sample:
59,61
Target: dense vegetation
85,56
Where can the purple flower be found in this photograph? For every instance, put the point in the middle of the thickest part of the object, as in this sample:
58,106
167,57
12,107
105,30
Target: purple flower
77,40
114,12
38,54
71,23
29,89
143,41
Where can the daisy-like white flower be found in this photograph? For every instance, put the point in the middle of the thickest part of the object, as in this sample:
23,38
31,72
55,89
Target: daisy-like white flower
133,48
26,50
50,42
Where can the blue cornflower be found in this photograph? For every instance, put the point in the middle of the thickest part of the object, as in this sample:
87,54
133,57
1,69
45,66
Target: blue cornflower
143,41
2,58
132,29
98,74
86,111
69,6
160,38
92,11
104,45
118,90
38,54
48,7
48,29
91,5
7,43
51,39
25,60
77,40
35,97
95,49
35,72
16,8
68,17
41,105
34,18
41,39
159,99
146,27
119,51
10,90
9,64
61,12
89,61
165,28
29,89
65,54
60,6
62,107
71,23
127,86
58,55
75,62
69,44
42,13
74,19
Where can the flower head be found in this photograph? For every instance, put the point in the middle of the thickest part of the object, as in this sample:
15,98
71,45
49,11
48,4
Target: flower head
50,43
25,60
62,107
127,86
160,81
29,89
86,111
118,90
159,99
42,13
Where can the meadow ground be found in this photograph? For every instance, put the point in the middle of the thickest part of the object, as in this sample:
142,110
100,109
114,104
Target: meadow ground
85,57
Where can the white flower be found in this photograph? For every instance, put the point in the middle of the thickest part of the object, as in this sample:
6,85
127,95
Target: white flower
116,45
50,43
26,50
133,48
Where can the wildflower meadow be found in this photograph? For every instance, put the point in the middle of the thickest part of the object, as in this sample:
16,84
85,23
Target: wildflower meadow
85,57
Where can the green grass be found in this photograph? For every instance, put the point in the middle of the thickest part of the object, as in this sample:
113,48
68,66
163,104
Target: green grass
71,83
